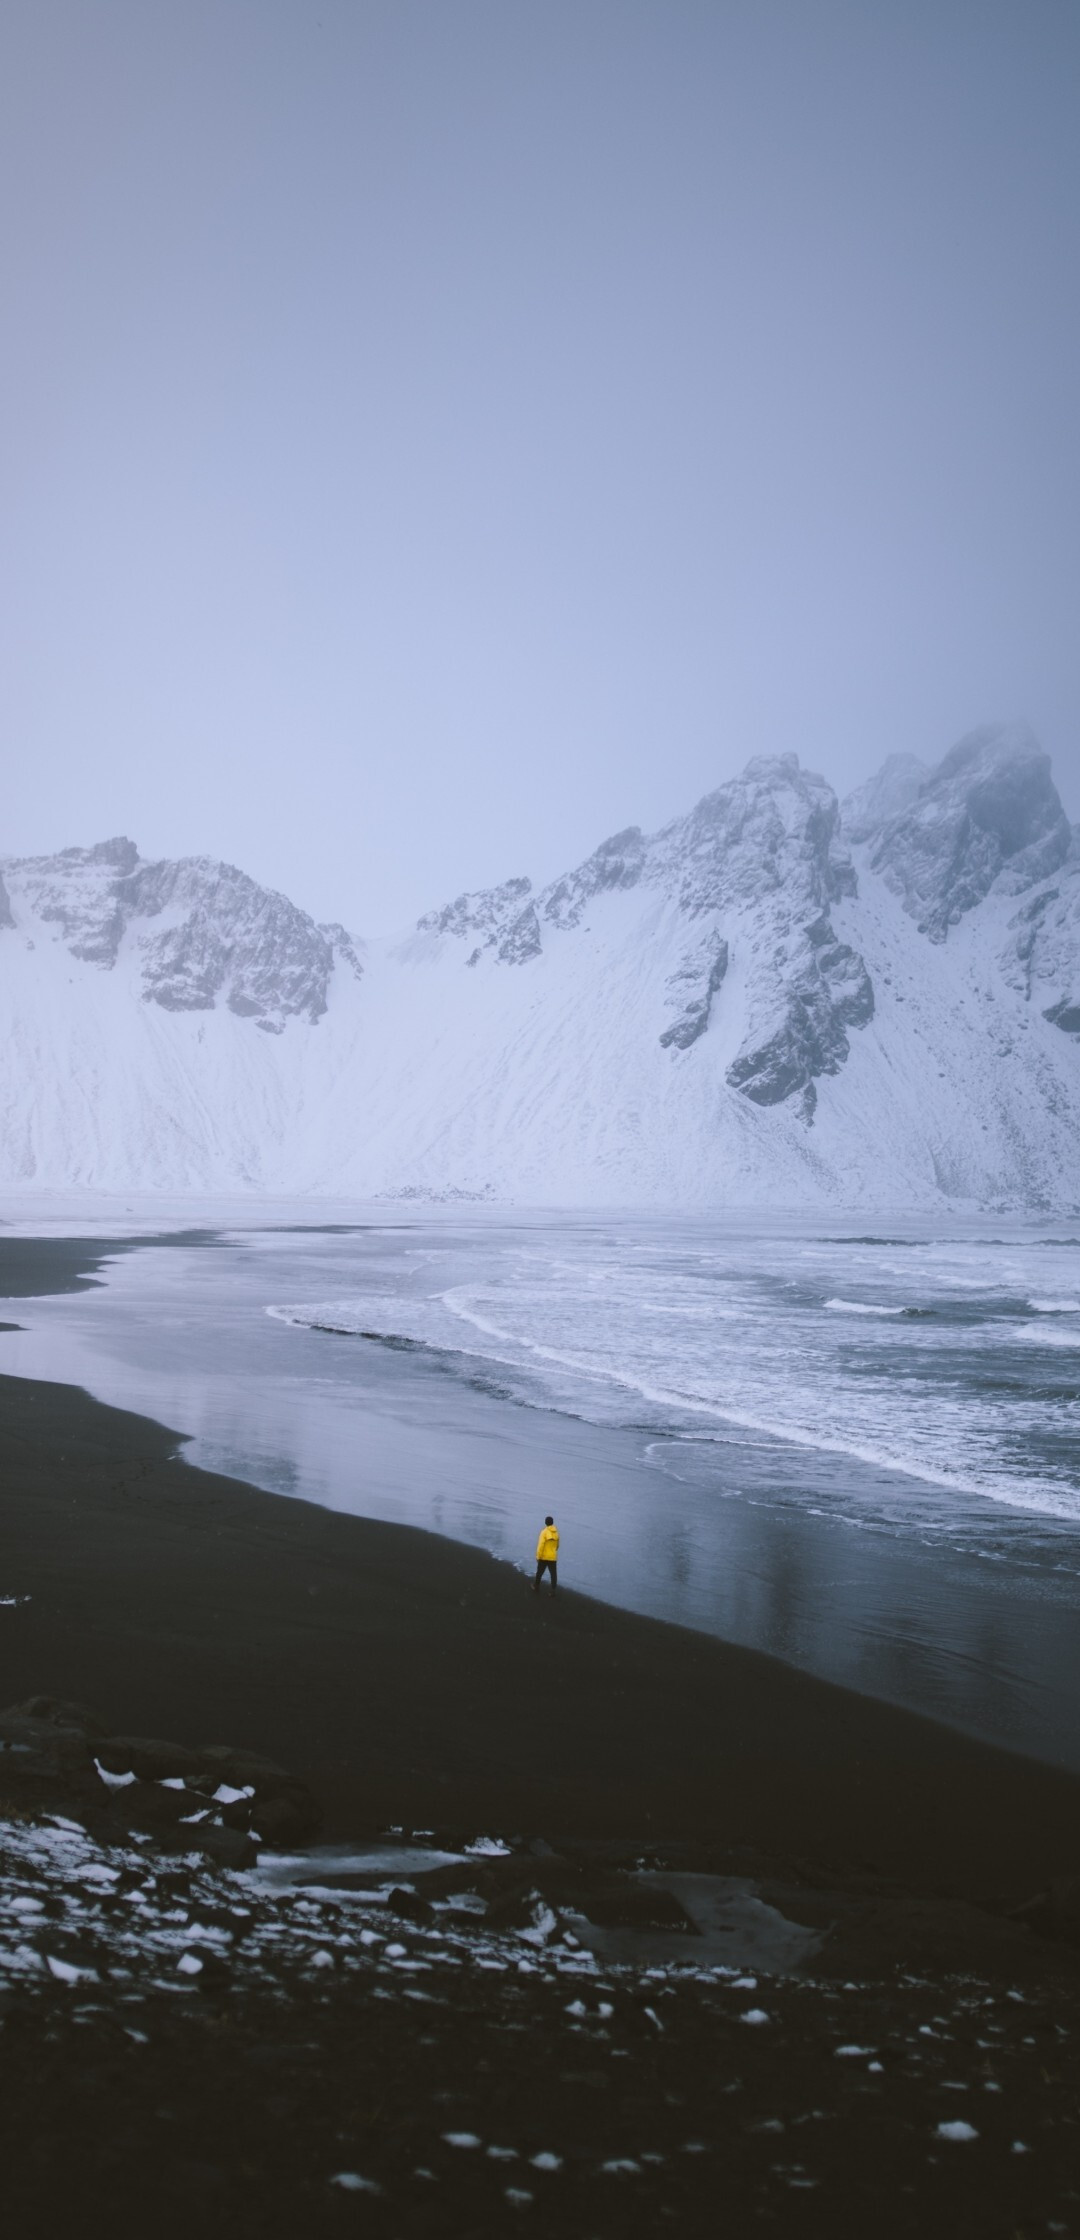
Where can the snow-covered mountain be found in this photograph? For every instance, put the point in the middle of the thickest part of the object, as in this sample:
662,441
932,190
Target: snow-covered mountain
771,1001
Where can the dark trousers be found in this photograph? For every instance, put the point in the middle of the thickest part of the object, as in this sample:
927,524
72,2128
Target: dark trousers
548,1564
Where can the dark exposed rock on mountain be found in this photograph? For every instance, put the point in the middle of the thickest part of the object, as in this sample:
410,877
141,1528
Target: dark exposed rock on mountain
827,990
990,808
754,867
204,930
891,790
496,918
618,862
487,913
693,986
521,939
1043,955
230,938
763,857
79,891
343,946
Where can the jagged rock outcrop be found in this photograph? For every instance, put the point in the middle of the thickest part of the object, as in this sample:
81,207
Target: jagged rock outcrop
343,946
988,820
497,918
618,862
521,939
486,913
79,890
229,938
824,990
774,830
692,987
756,866
224,938
1042,956
760,860
891,790
763,856
989,814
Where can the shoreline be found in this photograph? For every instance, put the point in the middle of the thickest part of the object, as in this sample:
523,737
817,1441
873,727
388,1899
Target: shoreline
328,2056
414,1681
973,1628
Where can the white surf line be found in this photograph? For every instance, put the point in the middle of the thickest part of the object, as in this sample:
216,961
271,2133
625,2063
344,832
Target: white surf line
1029,1498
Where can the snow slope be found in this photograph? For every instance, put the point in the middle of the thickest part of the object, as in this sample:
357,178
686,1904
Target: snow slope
741,1009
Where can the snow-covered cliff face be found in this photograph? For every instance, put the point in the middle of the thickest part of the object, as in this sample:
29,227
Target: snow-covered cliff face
988,814
892,788
761,853
1041,955
769,1001
201,931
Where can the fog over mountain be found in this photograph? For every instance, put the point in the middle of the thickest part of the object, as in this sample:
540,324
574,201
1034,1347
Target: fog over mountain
777,999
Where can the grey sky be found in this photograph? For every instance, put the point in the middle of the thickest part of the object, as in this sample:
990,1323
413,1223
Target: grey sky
438,432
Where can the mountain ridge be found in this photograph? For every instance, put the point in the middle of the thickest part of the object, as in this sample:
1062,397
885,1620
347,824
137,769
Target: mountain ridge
777,998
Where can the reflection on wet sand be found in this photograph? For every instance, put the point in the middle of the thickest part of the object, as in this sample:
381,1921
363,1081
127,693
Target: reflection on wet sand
721,1536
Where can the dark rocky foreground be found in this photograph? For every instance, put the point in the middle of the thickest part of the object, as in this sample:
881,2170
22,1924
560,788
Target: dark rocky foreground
540,2034
181,2043
478,2042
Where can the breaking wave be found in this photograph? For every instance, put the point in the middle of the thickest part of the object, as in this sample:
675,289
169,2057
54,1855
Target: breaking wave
956,1386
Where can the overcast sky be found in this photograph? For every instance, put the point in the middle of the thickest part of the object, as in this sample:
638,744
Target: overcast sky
436,433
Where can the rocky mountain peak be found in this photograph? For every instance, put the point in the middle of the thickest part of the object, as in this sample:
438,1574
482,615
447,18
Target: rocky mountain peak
764,853
893,788
344,946
203,931
989,814
618,862
754,868
82,891
226,937
122,855
499,918
775,826
683,1000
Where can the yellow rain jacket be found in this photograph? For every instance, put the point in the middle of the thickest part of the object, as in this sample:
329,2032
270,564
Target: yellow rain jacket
547,1547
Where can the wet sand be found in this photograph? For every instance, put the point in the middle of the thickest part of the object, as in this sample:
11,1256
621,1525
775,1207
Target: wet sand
39,1267
967,1618
413,1681
417,1683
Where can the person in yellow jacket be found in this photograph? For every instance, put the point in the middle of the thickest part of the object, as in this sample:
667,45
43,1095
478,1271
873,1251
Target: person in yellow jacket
547,1549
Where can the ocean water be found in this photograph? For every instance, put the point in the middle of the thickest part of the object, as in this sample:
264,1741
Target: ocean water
856,1449
954,1362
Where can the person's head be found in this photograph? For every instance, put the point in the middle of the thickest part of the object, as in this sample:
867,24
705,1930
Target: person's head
549,1520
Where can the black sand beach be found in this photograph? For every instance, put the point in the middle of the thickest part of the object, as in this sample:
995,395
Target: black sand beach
413,1683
